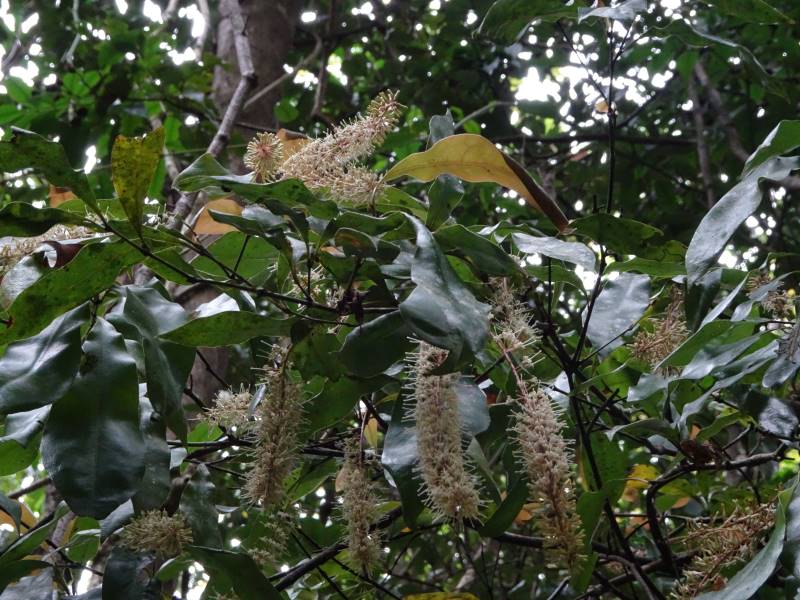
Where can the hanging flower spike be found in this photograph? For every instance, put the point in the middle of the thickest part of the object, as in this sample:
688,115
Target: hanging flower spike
264,156
155,531
230,409
359,510
449,487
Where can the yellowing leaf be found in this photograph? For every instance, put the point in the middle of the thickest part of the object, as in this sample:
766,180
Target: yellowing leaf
133,163
292,142
474,158
59,195
205,225
371,432
639,476
338,484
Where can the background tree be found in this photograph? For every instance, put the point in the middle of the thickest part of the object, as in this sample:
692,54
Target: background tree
274,346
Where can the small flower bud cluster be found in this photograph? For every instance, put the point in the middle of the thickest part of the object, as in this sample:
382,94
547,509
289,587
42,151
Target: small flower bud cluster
359,510
668,333
231,409
264,156
512,331
449,487
329,163
155,531
719,547
546,457
16,249
278,421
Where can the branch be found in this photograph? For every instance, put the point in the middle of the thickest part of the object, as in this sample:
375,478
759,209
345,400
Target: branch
246,83
734,141
703,159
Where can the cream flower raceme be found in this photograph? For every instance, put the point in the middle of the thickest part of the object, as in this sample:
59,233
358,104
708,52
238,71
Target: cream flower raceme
449,487
155,531
359,506
264,155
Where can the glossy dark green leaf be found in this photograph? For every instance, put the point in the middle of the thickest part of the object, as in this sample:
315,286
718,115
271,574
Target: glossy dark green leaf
227,328
92,271
337,400
11,508
254,220
32,539
784,138
729,213
92,446
619,306
370,349
27,150
480,252
622,11
155,484
197,503
26,588
655,268
127,576
504,516
133,165
441,310
700,297
20,219
235,571
572,252
399,458
507,20
37,371
612,466
19,443
142,316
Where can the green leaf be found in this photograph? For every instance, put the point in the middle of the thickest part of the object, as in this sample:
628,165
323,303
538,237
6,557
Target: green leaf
26,544
482,253
92,446
197,503
92,271
227,328
142,316
504,516
507,20
208,175
235,571
19,444
399,458
370,349
725,216
784,138
26,588
752,11
623,11
39,370
155,484
20,219
619,306
127,576
337,400
572,252
655,268
133,164
626,236
441,310
28,150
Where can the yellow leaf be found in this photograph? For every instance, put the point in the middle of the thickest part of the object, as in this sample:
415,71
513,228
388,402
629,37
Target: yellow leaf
292,142
205,225
338,484
59,195
371,432
639,476
474,158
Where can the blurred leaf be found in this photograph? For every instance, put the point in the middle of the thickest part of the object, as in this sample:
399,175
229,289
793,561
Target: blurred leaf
507,20
19,219
235,571
127,576
752,11
26,150
784,138
197,503
623,11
